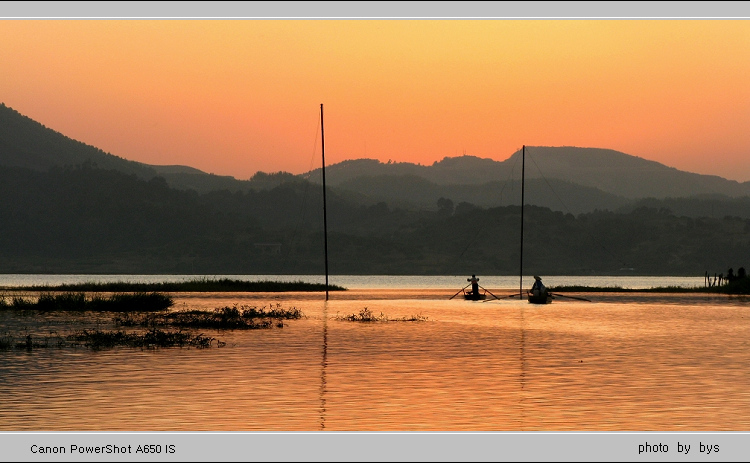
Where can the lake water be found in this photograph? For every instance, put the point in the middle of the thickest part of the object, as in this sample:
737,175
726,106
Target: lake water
624,362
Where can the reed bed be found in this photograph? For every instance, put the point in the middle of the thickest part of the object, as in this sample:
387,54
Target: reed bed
98,339
6,342
224,318
102,339
152,329
80,302
29,342
195,285
367,315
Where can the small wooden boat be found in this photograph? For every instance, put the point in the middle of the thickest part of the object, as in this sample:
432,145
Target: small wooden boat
474,295
470,296
539,298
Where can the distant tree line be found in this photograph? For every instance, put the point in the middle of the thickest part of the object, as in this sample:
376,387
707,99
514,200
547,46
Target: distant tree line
89,220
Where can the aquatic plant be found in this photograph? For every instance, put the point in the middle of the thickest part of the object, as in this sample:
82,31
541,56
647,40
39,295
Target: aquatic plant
224,318
28,342
97,339
155,334
78,302
366,315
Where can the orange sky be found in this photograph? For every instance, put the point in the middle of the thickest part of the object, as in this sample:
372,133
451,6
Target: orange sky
234,97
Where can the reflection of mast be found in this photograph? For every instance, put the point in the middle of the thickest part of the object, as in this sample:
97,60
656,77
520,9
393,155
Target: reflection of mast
523,178
523,370
323,365
324,361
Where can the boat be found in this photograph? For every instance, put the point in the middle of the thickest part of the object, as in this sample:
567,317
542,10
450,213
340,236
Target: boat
474,294
471,296
539,298
535,295
538,294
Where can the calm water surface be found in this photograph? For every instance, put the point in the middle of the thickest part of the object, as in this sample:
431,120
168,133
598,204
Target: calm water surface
622,362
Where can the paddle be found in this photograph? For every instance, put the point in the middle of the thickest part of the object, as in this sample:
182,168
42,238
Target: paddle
570,297
487,290
504,297
459,291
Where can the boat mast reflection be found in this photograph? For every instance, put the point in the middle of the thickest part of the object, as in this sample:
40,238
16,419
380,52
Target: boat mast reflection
323,364
523,366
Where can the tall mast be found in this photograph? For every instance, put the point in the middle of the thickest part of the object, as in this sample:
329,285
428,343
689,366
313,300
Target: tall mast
523,176
325,219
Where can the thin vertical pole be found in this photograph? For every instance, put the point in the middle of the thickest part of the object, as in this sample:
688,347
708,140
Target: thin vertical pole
523,177
325,218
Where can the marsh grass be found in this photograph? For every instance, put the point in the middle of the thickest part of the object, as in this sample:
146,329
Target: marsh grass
6,342
101,339
98,339
224,318
367,315
195,285
29,342
79,302
152,329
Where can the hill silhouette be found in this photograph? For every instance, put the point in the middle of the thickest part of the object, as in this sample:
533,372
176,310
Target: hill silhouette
623,174
570,179
68,207
29,144
608,171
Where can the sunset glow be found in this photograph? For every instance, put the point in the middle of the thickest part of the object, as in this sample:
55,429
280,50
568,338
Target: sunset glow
234,97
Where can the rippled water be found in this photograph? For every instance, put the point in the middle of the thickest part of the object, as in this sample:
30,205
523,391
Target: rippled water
622,362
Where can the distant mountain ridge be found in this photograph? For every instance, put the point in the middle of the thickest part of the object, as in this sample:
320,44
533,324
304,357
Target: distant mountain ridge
607,170
26,143
97,213
29,144
625,175
584,178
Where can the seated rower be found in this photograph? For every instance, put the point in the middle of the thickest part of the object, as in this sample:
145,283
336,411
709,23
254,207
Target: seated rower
538,289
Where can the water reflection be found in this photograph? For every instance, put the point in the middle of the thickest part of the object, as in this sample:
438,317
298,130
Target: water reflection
637,363
521,396
323,365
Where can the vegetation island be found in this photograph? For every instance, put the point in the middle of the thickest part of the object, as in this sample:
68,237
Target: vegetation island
196,285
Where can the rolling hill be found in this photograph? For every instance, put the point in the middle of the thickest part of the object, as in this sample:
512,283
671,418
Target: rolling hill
569,179
68,207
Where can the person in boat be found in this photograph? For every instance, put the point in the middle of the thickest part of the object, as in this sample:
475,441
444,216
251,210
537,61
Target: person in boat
474,285
538,289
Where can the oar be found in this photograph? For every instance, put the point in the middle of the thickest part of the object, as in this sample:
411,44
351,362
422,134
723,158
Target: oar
487,290
498,298
459,291
571,297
